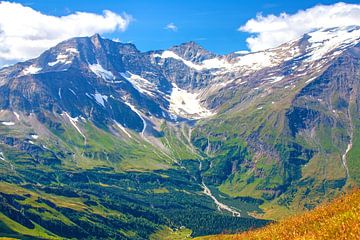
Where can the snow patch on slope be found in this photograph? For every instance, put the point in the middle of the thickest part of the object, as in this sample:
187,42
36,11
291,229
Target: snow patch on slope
215,63
186,104
17,116
134,109
5,123
65,58
61,58
257,60
100,99
139,83
31,70
170,54
72,91
247,62
73,122
34,136
327,40
123,129
72,50
101,72
208,64
276,79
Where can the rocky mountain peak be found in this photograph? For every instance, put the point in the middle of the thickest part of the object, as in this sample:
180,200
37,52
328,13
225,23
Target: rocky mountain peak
97,40
193,52
96,36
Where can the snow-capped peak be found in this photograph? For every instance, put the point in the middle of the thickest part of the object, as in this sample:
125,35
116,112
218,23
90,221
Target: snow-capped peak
326,41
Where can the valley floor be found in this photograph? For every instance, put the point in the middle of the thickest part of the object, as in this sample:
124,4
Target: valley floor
338,220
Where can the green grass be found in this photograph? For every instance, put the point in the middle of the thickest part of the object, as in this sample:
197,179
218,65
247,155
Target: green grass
242,124
339,219
354,155
160,190
38,231
240,185
103,149
169,234
174,139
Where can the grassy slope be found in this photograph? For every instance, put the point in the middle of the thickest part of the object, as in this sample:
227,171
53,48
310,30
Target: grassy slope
169,234
91,175
50,213
354,154
339,219
264,120
127,154
16,230
105,147
102,149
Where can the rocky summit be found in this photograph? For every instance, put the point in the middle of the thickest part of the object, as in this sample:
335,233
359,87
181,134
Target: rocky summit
101,140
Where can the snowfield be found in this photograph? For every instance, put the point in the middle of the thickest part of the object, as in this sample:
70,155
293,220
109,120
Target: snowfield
186,104
101,72
31,70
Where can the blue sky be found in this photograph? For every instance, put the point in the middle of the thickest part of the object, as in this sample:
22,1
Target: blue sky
213,24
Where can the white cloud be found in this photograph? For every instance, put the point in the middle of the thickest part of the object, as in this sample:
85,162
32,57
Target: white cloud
171,27
271,31
25,33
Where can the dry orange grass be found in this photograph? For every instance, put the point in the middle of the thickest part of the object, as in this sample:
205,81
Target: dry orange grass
338,220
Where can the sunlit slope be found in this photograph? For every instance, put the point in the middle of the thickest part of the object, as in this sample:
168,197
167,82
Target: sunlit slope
339,219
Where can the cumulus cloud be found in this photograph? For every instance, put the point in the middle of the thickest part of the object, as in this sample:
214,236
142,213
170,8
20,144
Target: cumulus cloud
171,27
25,33
270,31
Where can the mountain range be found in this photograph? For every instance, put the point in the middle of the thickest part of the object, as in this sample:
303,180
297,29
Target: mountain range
101,140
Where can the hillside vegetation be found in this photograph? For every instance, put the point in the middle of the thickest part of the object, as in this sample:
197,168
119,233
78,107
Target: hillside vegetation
339,219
